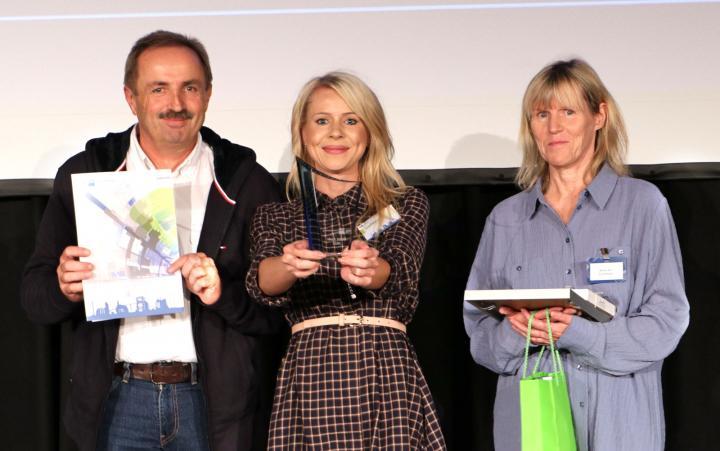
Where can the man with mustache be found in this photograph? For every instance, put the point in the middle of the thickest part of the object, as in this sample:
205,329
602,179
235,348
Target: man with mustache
181,381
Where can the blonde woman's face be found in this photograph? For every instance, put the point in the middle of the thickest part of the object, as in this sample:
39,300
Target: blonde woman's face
565,134
334,135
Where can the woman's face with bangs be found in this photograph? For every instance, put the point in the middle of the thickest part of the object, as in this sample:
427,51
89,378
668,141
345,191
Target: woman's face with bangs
564,130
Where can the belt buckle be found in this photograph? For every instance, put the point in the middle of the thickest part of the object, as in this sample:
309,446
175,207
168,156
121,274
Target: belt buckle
357,320
152,373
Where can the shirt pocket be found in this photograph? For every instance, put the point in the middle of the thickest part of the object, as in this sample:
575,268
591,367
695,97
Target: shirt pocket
527,272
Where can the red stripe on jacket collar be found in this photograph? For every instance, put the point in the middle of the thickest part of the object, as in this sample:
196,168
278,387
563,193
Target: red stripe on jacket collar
222,192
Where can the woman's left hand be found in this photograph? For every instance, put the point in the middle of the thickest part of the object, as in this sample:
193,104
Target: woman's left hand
359,264
560,319
201,276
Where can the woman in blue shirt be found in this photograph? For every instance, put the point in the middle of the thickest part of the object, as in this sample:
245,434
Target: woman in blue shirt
577,199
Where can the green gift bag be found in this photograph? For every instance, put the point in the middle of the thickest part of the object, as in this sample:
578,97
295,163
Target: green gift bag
545,416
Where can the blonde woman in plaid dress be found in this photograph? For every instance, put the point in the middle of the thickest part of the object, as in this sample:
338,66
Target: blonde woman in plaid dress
350,378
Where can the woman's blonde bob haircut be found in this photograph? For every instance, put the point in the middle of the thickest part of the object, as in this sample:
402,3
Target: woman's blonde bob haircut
573,84
381,183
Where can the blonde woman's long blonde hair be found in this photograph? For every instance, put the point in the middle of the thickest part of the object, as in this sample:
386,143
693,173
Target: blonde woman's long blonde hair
381,183
572,83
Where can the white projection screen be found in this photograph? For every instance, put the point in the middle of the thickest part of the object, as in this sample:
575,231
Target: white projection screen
449,74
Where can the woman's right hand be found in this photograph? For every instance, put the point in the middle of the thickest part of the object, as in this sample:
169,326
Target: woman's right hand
277,274
299,260
560,318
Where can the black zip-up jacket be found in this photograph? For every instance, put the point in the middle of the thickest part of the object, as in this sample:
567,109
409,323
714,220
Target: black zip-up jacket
228,334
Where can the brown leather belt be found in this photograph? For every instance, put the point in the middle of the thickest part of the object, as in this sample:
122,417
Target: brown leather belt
158,372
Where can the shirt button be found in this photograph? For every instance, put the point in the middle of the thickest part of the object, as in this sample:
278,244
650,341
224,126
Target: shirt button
567,239
582,403
580,367
568,271
518,268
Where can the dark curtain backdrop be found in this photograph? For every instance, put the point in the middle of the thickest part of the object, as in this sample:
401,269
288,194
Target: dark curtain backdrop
34,371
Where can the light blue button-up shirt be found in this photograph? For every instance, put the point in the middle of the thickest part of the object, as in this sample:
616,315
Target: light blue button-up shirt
613,369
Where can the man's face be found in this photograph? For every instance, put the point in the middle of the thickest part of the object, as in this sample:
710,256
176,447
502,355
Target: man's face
170,98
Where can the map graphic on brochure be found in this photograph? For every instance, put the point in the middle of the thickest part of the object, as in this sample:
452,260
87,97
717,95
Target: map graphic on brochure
127,221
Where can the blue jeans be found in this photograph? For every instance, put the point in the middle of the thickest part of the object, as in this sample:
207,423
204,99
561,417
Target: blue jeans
141,415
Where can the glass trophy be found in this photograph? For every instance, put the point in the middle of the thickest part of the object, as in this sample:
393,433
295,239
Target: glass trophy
310,204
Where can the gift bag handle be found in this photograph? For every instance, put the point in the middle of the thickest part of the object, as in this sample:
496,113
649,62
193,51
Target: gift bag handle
557,364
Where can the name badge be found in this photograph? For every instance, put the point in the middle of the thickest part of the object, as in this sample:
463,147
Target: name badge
606,269
372,227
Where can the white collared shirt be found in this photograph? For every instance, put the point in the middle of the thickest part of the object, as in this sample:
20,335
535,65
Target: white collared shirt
169,337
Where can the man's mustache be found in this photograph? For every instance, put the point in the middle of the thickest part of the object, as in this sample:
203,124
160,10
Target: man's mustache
182,114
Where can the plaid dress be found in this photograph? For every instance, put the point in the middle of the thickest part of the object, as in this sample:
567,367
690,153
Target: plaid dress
348,387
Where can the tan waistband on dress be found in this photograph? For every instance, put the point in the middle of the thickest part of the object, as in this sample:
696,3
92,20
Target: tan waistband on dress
342,320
